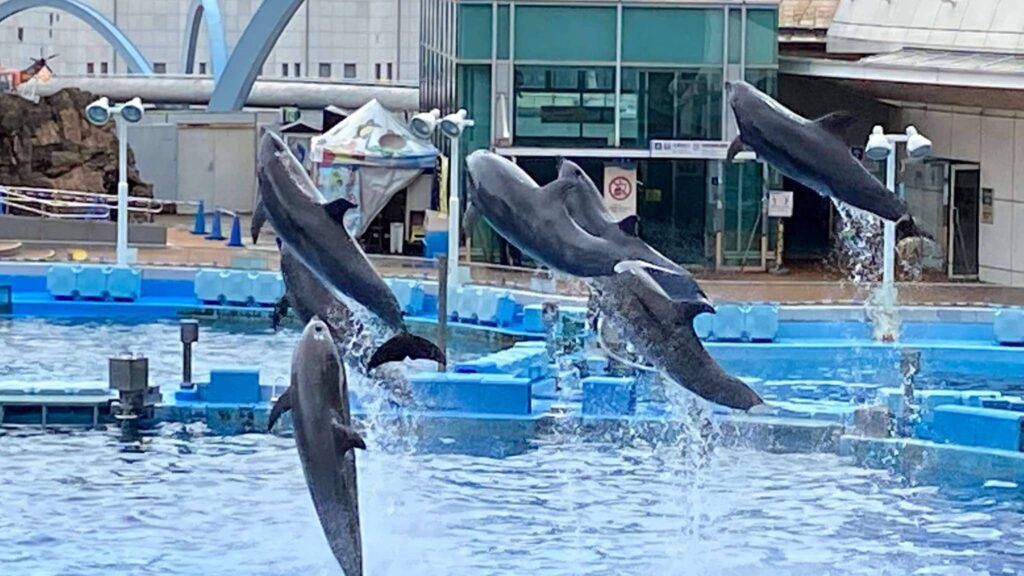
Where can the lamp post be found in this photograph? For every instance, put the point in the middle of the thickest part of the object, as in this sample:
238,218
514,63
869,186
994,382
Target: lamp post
131,112
452,126
882,146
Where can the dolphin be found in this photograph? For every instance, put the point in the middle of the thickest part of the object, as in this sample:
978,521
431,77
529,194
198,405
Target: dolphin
563,225
326,441
647,304
813,153
317,239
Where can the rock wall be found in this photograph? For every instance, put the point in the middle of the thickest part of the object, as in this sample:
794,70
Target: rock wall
50,144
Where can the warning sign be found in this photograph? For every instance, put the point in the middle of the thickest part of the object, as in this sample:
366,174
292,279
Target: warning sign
619,184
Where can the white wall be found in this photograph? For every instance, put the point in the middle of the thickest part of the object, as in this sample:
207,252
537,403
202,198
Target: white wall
362,33
996,140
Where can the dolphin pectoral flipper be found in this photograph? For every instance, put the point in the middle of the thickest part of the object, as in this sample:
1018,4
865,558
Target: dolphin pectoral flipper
735,148
283,404
677,286
406,345
346,436
628,225
837,122
259,217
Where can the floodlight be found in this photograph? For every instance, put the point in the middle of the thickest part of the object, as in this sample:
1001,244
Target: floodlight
878,147
98,112
422,125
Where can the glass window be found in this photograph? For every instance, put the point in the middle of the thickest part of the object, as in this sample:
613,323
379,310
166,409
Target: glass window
475,31
284,70
659,104
350,70
376,71
735,34
677,35
390,69
202,67
766,80
564,106
762,37
90,68
298,69
743,192
325,69
565,33
104,68
503,31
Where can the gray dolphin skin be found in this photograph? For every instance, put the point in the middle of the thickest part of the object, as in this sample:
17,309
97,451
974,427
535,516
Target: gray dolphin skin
811,152
563,225
643,302
317,238
318,401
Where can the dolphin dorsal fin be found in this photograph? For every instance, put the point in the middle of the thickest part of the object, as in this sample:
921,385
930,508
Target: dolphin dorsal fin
337,210
628,225
346,437
283,404
837,122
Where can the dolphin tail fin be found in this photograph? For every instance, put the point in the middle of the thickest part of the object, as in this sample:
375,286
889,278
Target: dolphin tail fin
283,404
346,436
403,346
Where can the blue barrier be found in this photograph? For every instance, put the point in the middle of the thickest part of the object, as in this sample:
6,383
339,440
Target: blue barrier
473,393
267,288
1008,326
983,427
65,281
607,396
702,324
233,385
238,287
728,323
762,322
410,295
533,318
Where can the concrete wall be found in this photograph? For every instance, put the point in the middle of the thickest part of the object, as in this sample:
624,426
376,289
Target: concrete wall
31,229
359,35
996,141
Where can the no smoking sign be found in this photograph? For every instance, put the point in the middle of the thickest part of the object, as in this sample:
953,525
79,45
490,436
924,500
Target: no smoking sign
620,188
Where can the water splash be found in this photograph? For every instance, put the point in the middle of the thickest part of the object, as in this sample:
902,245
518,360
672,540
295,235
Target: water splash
859,251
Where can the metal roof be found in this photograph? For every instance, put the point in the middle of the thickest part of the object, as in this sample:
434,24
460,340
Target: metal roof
871,26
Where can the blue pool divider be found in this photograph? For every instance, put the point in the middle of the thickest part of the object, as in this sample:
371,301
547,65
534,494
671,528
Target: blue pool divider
226,386
982,427
473,393
739,323
238,287
93,282
609,396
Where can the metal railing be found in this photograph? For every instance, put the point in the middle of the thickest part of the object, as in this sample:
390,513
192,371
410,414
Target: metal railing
71,204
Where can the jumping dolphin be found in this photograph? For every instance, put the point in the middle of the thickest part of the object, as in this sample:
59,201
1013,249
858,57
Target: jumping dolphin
563,224
813,153
317,238
643,302
318,401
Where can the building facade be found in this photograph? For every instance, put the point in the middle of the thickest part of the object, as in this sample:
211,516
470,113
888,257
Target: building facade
631,91
342,40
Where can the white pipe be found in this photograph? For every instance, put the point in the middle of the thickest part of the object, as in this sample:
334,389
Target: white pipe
122,192
453,220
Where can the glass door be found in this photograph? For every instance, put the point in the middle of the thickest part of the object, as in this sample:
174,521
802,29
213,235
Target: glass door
964,220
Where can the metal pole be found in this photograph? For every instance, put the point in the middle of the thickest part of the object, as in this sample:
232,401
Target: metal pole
189,335
442,307
453,216
122,192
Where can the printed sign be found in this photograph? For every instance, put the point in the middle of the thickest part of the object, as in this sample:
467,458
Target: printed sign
703,149
780,204
987,214
620,190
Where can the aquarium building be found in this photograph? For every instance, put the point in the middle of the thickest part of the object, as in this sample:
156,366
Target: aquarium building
632,91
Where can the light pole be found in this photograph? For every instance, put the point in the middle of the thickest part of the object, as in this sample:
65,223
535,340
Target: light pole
882,146
99,113
452,126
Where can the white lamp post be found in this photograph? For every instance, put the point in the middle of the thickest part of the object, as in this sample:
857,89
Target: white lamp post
452,126
882,146
99,113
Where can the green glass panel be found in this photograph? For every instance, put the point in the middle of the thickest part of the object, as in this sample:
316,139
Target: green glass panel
765,79
565,33
672,35
564,106
475,96
474,31
762,37
503,32
743,192
659,104
671,206
735,35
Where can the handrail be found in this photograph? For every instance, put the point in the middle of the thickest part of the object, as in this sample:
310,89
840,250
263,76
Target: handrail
17,196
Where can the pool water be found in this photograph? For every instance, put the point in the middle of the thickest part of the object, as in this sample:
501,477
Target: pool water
77,350
190,504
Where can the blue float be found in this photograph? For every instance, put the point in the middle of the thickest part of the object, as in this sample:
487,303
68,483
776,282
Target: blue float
1008,326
